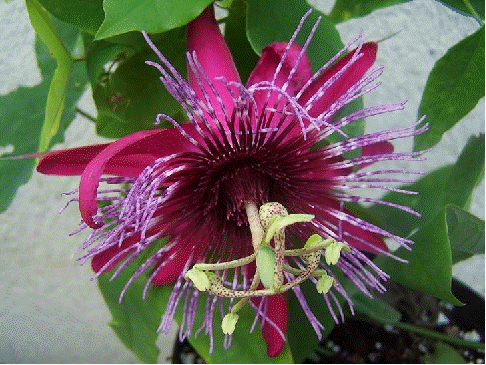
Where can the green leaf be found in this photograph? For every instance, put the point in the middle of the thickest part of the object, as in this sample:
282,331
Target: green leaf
430,262
55,105
444,354
469,7
46,31
42,24
467,173
22,116
243,54
429,267
376,309
103,53
135,321
129,98
345,9
153,16
466,233
453,89
301,336
452,184
87,15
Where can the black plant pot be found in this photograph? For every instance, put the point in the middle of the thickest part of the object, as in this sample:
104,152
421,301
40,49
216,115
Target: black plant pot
360,341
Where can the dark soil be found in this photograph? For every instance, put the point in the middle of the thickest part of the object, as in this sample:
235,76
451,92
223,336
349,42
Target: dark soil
359,341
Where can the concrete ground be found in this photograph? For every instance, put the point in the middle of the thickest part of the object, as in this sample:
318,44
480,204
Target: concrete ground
49,309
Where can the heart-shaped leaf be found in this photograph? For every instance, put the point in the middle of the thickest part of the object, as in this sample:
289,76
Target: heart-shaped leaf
453,89
345,9
429,267
466,233
153,16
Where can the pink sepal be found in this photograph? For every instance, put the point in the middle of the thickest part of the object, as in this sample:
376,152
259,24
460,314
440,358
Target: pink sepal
265,71
350,77
379,148
277,311
205,39
174,261
161,141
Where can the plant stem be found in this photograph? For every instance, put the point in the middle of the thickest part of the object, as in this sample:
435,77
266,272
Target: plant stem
325,352
86,115
438,335
473,12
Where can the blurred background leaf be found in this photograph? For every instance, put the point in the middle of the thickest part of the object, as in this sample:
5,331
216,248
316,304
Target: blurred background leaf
444,354
135,320
45,30
347,9
430,262
468,7
235,34
376,309
276,21
301,335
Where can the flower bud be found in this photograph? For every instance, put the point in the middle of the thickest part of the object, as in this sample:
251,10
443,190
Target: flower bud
333,252
229,323
198,278
324,283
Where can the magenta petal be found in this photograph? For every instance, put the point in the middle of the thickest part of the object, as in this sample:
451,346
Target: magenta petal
205,39
278,312
173,266
101,259
379,148
347,79
73,161
68,162
267,66
162,141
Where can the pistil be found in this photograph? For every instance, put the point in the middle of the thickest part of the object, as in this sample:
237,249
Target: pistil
267,225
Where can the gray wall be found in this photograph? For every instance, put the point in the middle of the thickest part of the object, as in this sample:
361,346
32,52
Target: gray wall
49,309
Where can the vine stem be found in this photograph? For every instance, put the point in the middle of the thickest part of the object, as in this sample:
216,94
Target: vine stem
86,115
438,335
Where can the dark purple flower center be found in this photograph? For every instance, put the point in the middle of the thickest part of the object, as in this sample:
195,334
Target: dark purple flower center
240,182
266,172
